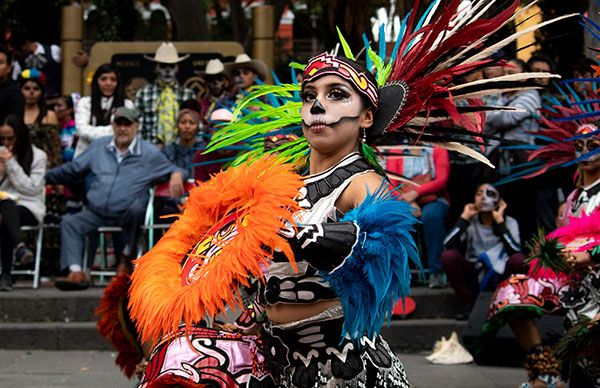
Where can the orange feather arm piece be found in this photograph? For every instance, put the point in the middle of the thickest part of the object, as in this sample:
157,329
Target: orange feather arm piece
228,232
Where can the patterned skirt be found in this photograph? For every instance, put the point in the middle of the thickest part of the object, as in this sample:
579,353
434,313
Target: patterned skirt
207,358
524,297
310,354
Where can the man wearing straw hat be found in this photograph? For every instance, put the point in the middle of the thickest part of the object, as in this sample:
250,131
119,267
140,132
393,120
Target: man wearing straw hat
244,71
159,101
219,86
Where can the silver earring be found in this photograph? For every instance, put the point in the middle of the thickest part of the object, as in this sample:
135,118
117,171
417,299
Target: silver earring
363,137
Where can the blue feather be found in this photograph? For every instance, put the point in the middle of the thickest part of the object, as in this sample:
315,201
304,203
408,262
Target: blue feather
377,273
367,47
382,41
583,157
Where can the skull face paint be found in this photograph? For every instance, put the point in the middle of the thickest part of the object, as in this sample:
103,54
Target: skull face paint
166,72
332,114
487,198
587,144
329,104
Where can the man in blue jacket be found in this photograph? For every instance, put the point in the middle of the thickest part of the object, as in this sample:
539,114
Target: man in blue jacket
123,167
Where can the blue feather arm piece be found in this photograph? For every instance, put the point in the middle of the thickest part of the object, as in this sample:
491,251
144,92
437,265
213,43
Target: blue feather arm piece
377,273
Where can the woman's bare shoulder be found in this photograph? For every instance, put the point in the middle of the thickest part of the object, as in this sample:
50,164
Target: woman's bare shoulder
357,191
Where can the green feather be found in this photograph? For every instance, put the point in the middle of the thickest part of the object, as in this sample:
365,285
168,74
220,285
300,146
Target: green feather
549,253
371,156
297,65
347,50
258,91
581,339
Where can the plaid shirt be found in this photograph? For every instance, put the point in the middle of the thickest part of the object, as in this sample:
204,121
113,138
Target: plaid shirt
145,101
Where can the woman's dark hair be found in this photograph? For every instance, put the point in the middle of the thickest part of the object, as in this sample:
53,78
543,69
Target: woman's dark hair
98,116
68,101
522,64
4,50
538,57
192,104
22,146
42,102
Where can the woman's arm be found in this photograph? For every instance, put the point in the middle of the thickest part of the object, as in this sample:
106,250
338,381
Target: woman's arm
529,103
50,118
85,130
441,161
31,184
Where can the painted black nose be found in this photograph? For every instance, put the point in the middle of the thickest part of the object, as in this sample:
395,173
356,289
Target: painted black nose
317,108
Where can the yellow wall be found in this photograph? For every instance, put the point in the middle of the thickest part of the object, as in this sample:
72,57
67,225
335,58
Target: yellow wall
528,18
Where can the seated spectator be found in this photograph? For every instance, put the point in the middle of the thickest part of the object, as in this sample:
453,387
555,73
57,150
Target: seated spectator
159,101
22,168
181,151
45,58
40,121
205,165
123,167
540,63
220,87
11,99
65,114
93,113
244,72
429,168
482,239
180,154
515,126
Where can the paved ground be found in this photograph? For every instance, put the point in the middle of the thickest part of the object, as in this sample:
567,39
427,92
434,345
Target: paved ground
45,369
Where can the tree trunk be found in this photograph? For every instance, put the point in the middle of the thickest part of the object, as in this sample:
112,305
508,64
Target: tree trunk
237,19
189,19
590,41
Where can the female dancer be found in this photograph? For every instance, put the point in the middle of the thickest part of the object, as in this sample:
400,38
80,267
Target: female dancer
518,300
349,237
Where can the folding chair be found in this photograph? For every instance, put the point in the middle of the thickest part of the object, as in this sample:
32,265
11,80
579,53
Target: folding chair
149,224
103,271
35,272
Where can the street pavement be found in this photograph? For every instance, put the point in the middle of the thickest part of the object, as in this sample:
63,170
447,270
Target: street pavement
90,369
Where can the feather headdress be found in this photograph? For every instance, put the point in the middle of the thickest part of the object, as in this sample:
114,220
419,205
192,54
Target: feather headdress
417,84
563,122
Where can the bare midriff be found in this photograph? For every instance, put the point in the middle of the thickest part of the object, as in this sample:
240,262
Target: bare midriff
286,312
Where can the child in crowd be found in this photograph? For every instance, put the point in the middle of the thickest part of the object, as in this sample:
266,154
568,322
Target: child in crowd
484,238
66,119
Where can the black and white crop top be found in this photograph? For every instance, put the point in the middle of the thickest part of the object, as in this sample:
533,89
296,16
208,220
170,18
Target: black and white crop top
317,199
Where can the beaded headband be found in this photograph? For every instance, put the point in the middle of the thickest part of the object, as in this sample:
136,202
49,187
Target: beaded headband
326,63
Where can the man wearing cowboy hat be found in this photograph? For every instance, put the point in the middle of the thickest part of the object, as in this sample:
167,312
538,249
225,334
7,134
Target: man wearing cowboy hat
219,85
245,70
159,101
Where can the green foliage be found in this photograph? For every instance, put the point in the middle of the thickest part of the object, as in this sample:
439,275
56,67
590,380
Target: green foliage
109,21
549,252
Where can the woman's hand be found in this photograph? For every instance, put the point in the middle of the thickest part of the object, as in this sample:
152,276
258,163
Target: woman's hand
410,196
469,211
5,154
416,209
579,260
176,185
498,214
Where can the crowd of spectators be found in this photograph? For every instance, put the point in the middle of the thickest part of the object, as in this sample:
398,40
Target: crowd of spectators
85,162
